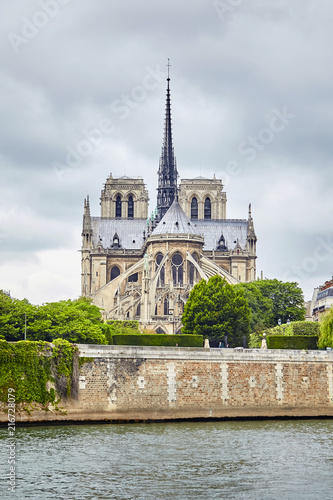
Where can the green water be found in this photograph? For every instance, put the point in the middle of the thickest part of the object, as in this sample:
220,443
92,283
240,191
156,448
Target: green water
251,460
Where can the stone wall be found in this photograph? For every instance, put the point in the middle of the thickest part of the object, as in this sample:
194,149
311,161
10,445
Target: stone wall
142,383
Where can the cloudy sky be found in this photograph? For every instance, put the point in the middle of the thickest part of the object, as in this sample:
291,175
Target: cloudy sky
83,94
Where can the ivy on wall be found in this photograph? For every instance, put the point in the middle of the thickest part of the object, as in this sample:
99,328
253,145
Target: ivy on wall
40,373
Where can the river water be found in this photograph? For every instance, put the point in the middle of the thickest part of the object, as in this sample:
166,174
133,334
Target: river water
252,460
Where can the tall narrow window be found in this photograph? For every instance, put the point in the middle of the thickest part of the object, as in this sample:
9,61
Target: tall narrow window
161,278
115,271
192,272
177,268
130,207
208,209
194,208
118,206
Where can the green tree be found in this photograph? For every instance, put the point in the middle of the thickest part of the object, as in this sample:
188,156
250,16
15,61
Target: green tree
261,307
326,330
287,299
77,321
215,309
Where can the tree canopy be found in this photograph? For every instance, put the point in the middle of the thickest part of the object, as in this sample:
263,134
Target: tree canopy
271,300
77,321
215,309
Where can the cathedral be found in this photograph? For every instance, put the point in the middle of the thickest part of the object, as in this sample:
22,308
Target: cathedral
139,267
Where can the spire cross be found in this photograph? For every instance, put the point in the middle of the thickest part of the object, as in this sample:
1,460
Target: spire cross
168,66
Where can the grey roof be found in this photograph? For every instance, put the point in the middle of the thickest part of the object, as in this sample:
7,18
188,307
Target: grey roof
175,221
231,229
130,232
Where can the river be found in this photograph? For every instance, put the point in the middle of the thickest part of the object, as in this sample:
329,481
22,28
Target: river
252,460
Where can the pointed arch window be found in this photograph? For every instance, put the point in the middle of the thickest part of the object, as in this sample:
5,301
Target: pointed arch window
130,212
194,208
177,268
115,271
208,209
192,272
118,206
161,278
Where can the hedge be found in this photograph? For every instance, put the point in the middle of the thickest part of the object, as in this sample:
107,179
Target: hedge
294,342
158,340
301,328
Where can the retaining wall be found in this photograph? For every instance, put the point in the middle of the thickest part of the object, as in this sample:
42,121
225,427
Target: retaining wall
126,383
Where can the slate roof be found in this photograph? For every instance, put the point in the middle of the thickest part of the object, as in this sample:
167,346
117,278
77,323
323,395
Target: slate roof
175,221
130,232
231,229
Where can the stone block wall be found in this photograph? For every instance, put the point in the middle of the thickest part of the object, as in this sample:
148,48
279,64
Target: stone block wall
142,383
127,383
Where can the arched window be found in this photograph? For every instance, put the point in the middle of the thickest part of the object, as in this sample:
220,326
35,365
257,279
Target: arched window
118,206
130,212
177,268
208,209
158,260
194,208
115,271
133,278
192,272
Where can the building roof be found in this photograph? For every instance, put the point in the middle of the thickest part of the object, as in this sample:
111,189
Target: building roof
232,230
130,232
175,221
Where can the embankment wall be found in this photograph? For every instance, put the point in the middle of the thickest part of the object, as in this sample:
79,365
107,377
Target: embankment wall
127,383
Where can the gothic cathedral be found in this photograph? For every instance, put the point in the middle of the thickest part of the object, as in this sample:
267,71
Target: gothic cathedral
135,267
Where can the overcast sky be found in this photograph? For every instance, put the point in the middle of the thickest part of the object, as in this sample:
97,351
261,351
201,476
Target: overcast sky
83,94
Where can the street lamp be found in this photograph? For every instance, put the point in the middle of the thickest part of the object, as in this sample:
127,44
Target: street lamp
279,324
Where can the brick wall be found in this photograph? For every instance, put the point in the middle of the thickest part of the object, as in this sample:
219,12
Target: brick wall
124,383
130,383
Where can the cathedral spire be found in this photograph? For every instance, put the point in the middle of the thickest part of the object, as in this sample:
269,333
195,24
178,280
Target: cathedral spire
87,230
167,172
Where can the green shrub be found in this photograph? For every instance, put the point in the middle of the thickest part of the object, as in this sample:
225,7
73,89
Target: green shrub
158,340
302,328
119,325
292,342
